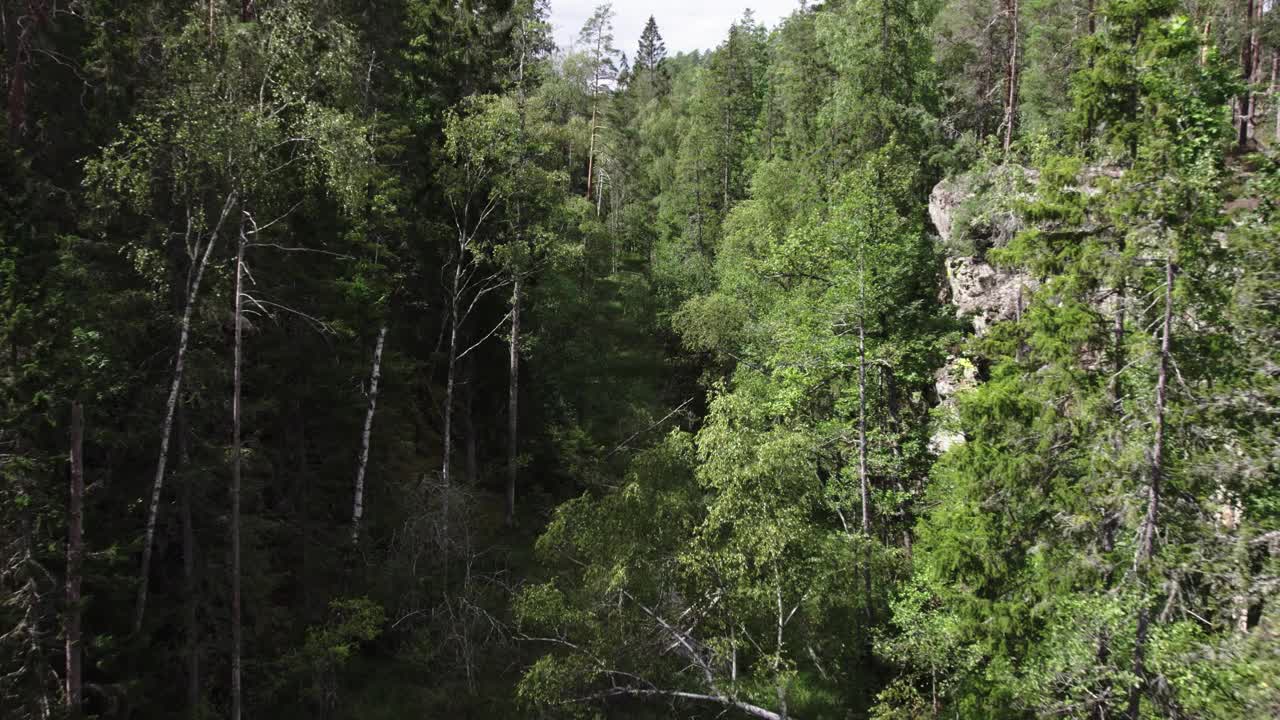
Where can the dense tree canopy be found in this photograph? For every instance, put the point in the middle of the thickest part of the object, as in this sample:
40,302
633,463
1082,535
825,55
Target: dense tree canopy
908,359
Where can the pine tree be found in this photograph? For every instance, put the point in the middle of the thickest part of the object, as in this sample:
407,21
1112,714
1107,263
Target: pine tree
596,38
650,55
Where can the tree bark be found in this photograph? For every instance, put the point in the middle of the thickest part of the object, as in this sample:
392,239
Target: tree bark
1117,330
513,404
1275,89
1244,104
1011,76
471,442
724,171
20,36
595,105
175,388
75,560
190,598
445,462
753,710
864,488
236,631
358,506
1146,537
591,150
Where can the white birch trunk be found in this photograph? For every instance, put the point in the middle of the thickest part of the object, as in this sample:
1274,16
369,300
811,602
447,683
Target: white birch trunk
166,430
513,403
358,507
445,463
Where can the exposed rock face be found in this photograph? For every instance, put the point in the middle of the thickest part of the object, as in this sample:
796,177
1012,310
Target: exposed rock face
985,293
978,289
973,213
946,197
958,373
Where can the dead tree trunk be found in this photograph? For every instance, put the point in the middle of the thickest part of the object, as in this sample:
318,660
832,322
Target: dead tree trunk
358,507
236,631
1011,76
166,429
75,559
1147,533
513,403
591,151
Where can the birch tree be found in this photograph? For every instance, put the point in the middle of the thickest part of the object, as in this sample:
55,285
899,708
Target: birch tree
247,90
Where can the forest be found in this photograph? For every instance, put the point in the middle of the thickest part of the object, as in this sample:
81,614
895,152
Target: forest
367,359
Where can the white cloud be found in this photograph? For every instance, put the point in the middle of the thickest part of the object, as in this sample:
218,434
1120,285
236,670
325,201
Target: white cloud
685,25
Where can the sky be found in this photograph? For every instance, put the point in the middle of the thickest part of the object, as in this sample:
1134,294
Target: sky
685,25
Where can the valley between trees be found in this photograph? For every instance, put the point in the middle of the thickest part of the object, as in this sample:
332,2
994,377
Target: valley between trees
909,359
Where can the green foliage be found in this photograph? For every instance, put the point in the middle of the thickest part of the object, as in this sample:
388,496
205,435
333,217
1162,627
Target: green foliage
734,367
329,648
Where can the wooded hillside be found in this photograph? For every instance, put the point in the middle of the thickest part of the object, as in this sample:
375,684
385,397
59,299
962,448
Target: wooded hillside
909,359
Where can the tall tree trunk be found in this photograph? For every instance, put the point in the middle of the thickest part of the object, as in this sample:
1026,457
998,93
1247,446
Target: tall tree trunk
724,171
1117,363
1275,90
513,361
697,201
591,150
1100,702
445,462
1204,41
166,429
20,36
14,82
1244,104
595,105
357,510
75,559
1255,70
236,631
513,403
894,426
1011,76
470,441
191,632
1147,534
864,486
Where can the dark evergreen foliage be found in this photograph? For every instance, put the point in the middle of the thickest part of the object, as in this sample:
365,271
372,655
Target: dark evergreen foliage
910,359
